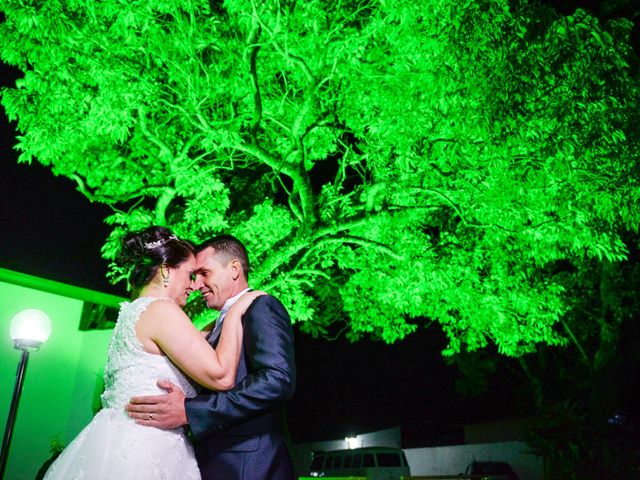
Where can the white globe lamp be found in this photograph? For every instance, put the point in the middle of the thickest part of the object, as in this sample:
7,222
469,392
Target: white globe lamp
29,329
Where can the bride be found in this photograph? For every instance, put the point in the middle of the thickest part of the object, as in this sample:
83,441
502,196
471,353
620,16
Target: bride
153,339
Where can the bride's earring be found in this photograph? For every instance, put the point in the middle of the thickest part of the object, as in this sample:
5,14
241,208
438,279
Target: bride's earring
165,278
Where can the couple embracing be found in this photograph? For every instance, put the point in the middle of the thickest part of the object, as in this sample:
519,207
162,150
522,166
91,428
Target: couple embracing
180,403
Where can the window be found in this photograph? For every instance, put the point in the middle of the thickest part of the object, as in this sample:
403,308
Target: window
347,461
491,468
368,461
389,460
317,462
357,461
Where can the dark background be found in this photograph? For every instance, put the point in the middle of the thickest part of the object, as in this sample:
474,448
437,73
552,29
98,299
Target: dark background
48,229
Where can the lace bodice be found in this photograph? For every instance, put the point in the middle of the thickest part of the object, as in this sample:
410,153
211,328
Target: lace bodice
130,371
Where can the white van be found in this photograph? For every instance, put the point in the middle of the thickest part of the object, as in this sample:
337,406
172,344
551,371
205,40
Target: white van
373,463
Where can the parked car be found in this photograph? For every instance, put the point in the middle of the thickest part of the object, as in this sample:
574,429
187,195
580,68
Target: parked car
490,471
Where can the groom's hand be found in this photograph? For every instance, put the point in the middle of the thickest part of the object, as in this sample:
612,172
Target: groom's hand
160,411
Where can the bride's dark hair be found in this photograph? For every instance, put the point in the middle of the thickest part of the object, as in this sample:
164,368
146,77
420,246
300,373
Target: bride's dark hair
143,252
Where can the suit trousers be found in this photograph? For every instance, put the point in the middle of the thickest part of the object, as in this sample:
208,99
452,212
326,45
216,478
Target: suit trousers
257,457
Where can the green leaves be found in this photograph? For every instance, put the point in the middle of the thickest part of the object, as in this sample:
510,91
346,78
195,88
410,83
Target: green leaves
388,164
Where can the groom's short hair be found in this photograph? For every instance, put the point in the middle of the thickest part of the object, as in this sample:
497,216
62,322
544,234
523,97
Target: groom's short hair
228,248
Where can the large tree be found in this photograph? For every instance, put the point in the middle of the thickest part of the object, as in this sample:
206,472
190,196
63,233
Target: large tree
585,395
387,162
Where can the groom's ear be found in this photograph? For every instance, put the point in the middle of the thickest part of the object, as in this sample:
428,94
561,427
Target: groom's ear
236,268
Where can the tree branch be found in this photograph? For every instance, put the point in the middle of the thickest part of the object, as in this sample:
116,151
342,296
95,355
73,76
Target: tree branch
286,54
457,209
301,181
151,137
299,175
109,199
161,205
578,345
257,99
287,251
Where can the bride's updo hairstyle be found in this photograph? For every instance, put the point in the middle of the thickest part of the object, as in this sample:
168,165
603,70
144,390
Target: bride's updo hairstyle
144,251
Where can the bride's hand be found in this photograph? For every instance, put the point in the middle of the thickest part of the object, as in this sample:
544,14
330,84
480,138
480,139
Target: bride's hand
240,307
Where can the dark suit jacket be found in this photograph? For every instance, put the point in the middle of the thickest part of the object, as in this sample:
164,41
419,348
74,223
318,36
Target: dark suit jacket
241,433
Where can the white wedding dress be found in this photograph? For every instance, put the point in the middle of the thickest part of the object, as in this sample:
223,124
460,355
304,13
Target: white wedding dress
113,446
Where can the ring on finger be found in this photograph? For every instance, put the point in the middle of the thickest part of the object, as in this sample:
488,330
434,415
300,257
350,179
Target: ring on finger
151,416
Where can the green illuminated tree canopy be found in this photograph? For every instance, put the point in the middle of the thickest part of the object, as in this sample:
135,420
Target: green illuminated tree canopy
387,162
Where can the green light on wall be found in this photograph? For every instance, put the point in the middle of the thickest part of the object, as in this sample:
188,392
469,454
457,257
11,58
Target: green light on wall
63,382
59,288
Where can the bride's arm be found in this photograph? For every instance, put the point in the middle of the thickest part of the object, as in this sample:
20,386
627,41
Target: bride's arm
169,328
230,343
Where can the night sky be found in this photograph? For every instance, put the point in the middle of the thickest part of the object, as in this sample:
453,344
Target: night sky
51,230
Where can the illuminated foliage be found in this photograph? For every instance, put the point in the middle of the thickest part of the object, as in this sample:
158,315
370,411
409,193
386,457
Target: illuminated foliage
386,161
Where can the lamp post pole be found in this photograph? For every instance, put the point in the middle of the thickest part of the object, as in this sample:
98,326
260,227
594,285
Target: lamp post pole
29,329
8,431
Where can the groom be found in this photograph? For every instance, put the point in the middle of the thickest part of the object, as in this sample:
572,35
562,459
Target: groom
239,434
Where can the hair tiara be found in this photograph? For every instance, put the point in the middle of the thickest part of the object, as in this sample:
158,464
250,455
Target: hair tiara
158,243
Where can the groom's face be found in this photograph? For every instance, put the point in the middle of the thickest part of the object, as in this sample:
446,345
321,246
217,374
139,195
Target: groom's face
215,278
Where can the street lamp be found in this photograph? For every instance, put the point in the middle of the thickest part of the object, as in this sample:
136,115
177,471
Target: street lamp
29,330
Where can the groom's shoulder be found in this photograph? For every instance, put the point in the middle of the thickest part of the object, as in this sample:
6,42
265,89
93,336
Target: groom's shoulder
268,299
269,302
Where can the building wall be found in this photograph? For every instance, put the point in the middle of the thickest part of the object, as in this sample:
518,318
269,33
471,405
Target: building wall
506,430
62,379
453,460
